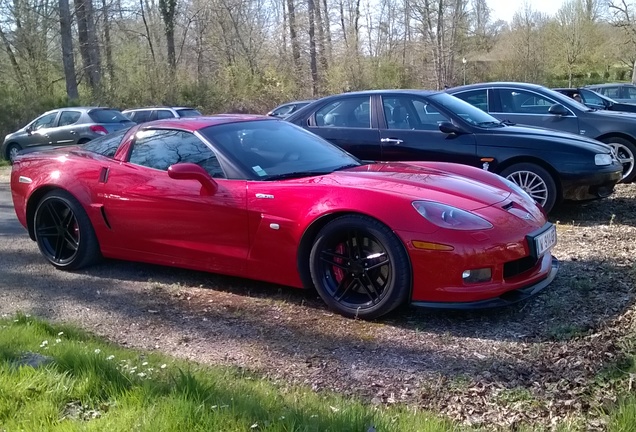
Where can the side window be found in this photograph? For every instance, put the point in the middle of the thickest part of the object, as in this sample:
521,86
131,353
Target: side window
591,98
161,148
352,112
284,110
106,145
631,92
43,122
612,92
524,102
69,117
408,113
477,98
164,114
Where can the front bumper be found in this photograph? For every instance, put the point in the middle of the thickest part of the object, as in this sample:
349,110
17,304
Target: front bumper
578,187
508,298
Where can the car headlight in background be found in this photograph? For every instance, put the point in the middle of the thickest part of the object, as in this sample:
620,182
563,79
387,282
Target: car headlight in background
450,217
603,159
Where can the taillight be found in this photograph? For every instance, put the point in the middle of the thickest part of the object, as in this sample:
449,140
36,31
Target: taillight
98,129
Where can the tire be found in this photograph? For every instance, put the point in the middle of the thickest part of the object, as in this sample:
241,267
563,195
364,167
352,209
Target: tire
12,152
359,267
536,181
625,151
64,232
83,141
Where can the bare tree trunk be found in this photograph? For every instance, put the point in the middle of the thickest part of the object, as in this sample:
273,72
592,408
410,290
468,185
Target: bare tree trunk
168,9
634,73
293,35
14,63
88,43
312,48
322,58
342,24
148,35
327,26
68,58
108,50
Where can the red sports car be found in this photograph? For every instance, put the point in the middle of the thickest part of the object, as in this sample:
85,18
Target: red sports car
261,198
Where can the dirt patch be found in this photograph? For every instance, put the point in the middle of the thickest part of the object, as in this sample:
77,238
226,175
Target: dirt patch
536,362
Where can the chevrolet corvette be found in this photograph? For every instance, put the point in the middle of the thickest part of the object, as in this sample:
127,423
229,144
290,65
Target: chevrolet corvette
258,197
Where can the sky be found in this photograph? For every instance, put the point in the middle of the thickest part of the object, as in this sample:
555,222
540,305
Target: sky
505,9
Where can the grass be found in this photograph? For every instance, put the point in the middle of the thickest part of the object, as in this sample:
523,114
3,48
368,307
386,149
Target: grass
3,162
88,384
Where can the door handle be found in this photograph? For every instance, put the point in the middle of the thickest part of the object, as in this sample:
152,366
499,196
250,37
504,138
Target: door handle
393,141
73,132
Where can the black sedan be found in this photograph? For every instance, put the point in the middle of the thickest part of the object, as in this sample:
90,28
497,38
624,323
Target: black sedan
594,100
411,125
534,105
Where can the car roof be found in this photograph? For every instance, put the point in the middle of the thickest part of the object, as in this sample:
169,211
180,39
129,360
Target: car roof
157,107
522,85
192,124
82,108
610,85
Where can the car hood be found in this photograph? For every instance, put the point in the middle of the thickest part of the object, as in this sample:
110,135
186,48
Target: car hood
426,183
554,135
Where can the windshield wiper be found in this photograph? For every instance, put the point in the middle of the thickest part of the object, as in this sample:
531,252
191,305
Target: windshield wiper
491,123
296,174
347,167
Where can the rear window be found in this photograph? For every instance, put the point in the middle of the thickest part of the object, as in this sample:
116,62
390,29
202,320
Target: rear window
189,112
106,145
107,116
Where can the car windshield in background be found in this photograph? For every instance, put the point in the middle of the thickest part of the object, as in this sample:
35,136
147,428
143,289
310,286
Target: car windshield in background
277,149
106,145
188,113
108,116
565,100
464,110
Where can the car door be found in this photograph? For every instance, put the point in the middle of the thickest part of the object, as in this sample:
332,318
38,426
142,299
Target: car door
410,131
39,131
66,131
175,221
349,122
527,107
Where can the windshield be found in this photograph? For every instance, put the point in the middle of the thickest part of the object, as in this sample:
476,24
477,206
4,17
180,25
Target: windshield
464,110
108,116
274,148
188,112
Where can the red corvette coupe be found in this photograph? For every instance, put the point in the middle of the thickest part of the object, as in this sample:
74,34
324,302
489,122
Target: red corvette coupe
261,198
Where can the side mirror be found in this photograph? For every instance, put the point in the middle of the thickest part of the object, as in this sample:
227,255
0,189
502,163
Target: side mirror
28,130
190,171
449,128
558,109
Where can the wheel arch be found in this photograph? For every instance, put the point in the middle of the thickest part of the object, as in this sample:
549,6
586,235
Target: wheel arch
537,161
34,200
309,235
609,135
83,141
8,147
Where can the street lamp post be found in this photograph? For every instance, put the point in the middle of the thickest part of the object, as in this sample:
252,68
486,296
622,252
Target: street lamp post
464,63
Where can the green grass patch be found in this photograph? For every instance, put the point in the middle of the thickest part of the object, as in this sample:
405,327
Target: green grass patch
85,383
4,162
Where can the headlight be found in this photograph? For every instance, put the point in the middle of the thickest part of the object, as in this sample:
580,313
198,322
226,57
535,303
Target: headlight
603,159
449,217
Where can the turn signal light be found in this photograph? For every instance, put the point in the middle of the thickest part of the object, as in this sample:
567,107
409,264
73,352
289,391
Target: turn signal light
431,246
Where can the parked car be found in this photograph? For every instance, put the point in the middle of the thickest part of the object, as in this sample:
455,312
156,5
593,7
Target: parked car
258,197
534,105
595,100
62,127
620,92
286,109
142,115
411,125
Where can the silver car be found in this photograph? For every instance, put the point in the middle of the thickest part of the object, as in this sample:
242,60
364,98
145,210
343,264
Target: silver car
142,115
64,126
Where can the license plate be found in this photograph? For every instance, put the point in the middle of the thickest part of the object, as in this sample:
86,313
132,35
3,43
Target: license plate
545,241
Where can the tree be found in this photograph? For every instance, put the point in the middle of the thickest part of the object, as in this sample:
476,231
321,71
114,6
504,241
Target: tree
68,58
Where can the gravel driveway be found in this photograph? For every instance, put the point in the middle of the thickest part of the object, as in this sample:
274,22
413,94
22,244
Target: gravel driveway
534,362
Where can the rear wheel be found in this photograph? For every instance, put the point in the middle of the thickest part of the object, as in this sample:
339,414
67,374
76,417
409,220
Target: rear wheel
625,152
536,181
64,232
12,152
359,267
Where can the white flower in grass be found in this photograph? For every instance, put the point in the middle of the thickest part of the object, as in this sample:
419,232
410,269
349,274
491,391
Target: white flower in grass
110,357
97,350
144,364
60,333
141,374
58,340
163,366
44,343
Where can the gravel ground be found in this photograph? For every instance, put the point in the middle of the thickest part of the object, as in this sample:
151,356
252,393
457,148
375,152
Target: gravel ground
535,362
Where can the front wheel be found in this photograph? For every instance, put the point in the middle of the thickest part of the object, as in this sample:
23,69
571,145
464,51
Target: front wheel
625,152
536,181
12,152
359,267
64,232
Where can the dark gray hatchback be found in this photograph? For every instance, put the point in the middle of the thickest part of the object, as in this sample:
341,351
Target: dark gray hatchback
535,105
64,126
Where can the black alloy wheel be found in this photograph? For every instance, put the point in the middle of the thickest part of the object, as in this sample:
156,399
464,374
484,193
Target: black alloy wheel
359,267
63,232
